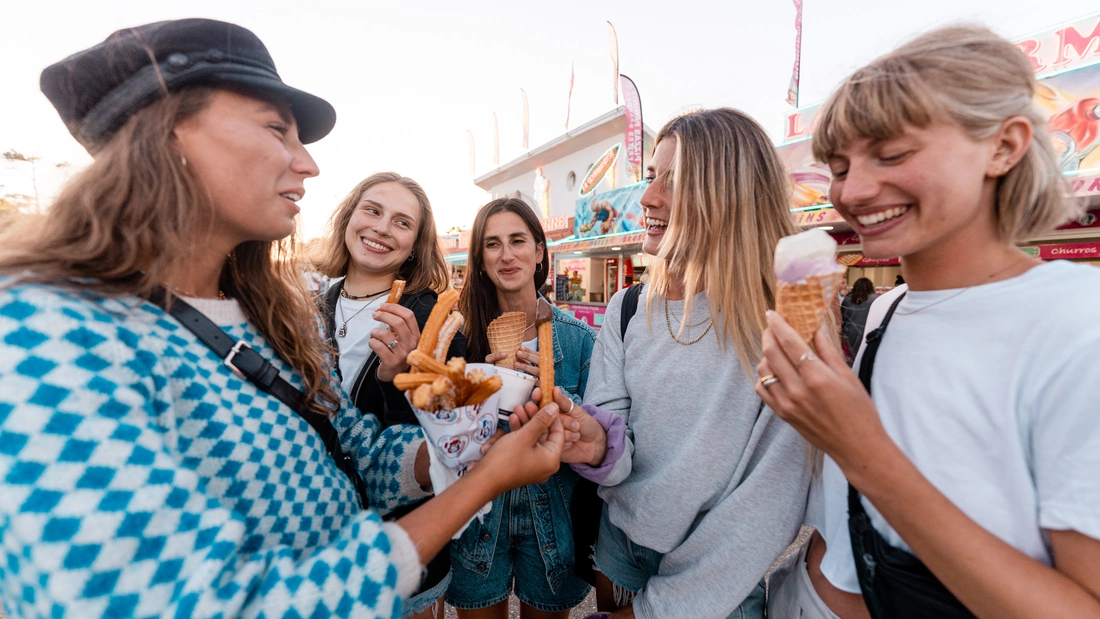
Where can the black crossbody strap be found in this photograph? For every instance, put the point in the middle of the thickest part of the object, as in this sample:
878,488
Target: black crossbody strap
238,356
866,368
874,338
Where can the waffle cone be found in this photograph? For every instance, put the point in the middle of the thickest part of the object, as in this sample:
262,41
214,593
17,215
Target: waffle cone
506,335
805,304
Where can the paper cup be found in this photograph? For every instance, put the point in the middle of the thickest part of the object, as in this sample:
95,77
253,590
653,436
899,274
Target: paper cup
516,390
457,434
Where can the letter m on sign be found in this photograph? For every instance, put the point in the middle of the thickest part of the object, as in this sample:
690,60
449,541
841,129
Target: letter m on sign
1083,46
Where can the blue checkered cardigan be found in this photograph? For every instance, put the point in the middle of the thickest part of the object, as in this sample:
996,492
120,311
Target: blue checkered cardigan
140,477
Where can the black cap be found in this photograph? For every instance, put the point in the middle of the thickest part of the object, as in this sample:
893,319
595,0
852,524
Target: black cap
95,91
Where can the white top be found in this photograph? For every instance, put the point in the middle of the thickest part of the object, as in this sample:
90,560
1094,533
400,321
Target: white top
354,348
989,390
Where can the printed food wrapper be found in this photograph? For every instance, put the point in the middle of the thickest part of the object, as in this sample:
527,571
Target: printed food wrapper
455,437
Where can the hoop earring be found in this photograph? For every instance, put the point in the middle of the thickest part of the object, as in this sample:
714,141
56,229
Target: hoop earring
411,257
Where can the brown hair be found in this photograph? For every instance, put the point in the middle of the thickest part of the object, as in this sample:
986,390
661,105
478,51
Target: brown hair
862,290
427,269
136,214
730,206
478,300
968,76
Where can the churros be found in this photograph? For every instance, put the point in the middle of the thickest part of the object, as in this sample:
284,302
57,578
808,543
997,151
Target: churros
430,335
487,388
437,386
426,363
450,328
396,290
544,320
405,382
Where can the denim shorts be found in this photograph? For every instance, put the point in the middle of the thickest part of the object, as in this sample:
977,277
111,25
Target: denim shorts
517,560
423,601
629,566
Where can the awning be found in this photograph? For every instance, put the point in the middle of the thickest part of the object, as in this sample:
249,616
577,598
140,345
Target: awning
603,243
457,259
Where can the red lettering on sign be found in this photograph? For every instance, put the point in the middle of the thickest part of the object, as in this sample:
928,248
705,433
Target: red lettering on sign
1083,45
1030,48
1095,186
794,127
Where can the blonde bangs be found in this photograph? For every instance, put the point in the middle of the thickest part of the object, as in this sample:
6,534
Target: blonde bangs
970,77
876,103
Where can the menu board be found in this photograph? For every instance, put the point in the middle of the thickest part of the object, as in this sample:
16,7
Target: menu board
561,287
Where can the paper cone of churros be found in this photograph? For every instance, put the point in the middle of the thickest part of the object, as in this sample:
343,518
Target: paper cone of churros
807,276
506,335
454,403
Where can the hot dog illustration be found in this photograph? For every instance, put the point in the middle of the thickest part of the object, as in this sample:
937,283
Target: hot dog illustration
600,169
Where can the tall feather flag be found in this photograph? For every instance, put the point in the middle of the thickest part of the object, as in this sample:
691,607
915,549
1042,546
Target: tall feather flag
614,39
632,101
496,140
569,101
526,118
473,151
792,90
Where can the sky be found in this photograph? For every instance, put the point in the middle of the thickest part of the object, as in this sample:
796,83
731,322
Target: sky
408,79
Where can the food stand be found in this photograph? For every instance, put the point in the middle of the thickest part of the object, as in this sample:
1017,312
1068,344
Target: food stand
603,255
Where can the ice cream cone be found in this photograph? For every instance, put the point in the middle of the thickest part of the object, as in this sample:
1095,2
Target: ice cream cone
805,304
506,335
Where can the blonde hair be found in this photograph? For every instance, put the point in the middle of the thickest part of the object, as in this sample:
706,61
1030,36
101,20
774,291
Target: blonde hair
427,270
137,213
968,76
730,206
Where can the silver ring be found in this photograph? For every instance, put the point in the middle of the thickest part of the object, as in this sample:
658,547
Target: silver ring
572,404
392,344
768,381
806,356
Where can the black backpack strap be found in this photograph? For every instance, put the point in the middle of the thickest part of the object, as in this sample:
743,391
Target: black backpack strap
629,308
238,356
874,338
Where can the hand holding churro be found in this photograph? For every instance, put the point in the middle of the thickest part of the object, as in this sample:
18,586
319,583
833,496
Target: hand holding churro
544,321
396,290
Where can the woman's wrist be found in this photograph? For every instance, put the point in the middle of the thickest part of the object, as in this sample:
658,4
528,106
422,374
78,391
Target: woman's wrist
600,449
875,467
484,482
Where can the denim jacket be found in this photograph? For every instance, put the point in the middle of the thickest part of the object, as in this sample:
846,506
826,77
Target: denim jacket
573,342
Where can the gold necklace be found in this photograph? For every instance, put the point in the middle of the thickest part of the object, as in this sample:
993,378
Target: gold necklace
668,323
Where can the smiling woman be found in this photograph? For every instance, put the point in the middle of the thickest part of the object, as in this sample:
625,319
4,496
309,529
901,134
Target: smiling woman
382,231
171,440
964,454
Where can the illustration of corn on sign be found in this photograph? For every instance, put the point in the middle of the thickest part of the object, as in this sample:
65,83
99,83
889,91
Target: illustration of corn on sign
599,170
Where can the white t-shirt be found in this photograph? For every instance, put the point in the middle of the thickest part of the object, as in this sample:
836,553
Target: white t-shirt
354,348
990,391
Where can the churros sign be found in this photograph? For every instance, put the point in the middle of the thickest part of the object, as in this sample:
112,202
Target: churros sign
604,165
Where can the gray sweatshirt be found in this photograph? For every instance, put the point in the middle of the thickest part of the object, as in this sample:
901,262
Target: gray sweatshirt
705,479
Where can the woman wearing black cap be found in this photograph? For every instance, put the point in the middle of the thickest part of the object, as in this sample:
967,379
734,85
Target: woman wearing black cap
171,439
